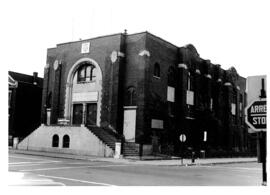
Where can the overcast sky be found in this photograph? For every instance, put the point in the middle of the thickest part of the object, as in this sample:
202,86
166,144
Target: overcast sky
230,33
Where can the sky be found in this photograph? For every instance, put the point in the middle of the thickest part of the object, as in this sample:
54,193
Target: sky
229,33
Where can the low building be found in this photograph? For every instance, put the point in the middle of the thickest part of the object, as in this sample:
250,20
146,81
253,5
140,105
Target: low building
144,90
25,96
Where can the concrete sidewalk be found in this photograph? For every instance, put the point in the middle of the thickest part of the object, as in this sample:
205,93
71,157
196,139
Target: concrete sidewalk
149,160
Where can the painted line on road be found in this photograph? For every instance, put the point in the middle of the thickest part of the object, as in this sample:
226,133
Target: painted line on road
26,158
77,180
58,168
40,162
26,165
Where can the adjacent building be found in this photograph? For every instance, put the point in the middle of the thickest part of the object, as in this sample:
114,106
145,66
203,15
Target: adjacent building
25,95
143,91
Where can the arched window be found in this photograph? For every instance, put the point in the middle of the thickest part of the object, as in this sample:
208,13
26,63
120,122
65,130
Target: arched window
157,70
66,141
55,141
86,73
131,96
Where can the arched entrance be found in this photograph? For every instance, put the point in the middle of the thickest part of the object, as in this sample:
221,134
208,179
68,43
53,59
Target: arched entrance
83,93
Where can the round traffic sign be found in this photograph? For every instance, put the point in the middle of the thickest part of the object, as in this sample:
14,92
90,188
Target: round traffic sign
182,138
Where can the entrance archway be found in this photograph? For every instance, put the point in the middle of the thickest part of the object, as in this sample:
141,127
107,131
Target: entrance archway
83,93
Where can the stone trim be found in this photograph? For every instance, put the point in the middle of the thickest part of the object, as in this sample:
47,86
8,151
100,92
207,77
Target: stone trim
144,53
182,66
227,84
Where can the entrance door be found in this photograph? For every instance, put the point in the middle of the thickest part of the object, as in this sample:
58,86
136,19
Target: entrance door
130,124
91,114
77,114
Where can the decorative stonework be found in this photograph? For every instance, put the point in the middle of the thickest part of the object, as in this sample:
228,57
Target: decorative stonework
208,76
227,84
144,53
85,48
182,66
55,64
120,54
114,56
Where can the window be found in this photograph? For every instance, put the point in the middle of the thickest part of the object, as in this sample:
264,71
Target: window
157,70
170,94
55,141
86,73
233,107
66,141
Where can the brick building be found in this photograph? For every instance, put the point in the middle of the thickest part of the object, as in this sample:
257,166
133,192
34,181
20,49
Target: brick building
25,95
144,89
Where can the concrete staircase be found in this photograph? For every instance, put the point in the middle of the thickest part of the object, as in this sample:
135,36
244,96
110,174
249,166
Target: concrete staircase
109,137
130,149
106,135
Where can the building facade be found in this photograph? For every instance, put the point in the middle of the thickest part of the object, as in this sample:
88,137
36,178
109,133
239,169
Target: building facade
147,91
25,96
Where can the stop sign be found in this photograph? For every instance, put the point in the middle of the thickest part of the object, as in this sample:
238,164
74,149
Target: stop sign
256,115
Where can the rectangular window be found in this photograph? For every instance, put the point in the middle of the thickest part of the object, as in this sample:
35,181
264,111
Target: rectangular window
190,97
157,124
233,109
170,94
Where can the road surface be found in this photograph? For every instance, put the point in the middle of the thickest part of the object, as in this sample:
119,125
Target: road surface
40,170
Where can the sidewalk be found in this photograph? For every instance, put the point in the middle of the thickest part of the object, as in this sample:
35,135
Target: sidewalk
149,160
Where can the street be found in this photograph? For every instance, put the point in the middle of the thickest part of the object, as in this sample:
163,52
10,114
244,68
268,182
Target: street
48,171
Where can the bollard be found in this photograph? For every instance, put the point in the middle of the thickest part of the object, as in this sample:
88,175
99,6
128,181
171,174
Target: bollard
117,150
15,142
193,157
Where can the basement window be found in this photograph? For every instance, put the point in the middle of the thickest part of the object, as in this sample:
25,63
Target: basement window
55,141
66,141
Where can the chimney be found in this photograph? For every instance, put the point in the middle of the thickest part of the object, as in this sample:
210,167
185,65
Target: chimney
35,76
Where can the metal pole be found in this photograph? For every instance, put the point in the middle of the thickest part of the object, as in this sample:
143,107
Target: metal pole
263,156
262,143
182,155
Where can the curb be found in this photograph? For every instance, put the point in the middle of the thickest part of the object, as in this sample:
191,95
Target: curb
123,160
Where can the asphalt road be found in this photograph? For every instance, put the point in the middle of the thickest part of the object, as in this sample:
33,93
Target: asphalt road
39,170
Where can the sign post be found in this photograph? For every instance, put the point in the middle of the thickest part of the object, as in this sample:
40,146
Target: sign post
182,139
256,120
